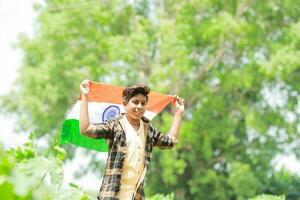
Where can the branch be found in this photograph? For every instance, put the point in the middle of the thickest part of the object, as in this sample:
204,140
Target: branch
218,54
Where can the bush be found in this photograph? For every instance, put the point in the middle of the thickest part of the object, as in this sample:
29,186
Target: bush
27,174
268,197
162,197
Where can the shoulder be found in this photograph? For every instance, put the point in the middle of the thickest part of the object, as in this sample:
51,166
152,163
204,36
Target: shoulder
145,120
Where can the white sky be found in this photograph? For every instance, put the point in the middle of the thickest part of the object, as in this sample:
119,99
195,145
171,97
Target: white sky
17,17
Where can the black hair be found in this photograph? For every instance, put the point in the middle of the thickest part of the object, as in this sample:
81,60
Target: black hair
133,90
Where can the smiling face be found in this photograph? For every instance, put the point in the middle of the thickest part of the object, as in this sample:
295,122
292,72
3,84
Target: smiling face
136,106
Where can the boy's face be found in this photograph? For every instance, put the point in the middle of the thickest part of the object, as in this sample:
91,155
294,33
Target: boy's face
136,106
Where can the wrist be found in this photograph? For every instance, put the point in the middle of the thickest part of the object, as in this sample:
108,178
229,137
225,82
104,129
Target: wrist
178,113
84,96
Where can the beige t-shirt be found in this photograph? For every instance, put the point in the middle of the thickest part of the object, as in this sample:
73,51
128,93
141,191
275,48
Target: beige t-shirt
134,169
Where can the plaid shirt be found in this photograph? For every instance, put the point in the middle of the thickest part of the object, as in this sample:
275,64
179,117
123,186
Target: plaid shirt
114,133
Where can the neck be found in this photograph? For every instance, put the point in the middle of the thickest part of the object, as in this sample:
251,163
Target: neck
132,121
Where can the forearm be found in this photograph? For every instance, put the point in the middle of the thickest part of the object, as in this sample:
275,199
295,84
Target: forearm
174,130
84,121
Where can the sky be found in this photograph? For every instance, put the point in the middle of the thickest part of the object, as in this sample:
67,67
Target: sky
18,17
15,17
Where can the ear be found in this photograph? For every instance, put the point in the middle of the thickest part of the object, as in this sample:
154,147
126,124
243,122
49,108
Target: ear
124,102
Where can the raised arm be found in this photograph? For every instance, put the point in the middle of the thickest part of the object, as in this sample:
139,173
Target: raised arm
84,120
100,130
166,141
174,130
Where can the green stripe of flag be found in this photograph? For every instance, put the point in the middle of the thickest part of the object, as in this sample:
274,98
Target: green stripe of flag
70,134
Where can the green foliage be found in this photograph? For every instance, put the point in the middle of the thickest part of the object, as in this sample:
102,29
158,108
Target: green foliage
243,181
27,174
286,183
235,62
268,197
162,197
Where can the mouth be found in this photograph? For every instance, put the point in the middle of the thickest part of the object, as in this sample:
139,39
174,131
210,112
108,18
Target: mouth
138,112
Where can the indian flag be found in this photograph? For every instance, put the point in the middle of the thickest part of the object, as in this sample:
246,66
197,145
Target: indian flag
105,103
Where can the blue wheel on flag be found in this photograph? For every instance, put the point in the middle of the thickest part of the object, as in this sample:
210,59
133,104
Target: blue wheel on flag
110,112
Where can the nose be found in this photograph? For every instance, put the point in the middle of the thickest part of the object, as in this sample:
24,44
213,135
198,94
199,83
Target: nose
139,106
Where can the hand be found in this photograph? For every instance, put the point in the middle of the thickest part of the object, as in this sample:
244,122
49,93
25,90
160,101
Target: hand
85,87
179,104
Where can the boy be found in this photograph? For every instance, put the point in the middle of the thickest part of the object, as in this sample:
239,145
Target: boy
130,137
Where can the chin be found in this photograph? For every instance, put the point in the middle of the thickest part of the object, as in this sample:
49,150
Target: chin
138,117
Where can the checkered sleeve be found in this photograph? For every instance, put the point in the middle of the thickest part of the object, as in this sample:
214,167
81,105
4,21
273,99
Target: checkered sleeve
104,130
161,140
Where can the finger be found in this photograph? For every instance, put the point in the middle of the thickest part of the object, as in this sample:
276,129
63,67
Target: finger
86,83
82,83
181,101
175,99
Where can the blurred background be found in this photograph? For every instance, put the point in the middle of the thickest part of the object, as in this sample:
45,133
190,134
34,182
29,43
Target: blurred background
237,64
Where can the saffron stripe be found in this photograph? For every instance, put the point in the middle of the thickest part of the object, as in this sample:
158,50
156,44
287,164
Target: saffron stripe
100,92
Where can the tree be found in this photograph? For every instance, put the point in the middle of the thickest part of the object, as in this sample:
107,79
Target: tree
235,62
